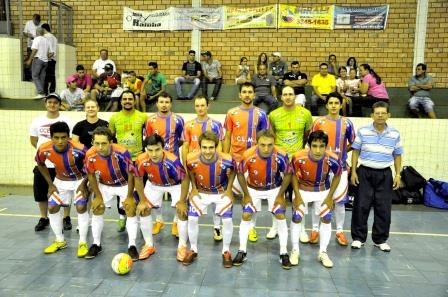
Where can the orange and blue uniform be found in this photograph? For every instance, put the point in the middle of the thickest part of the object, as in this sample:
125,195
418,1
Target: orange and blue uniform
165,173
264,173
243,125
69,164
194,129
113,169
314,175
169,127
341,132
210,178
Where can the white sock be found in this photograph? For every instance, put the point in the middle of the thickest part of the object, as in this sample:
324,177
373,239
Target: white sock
325,234
339,213
56,224
182,226
157,214
295,234
83,223
97,228
193,230
282,235
303,224
131,228
146,228
315,219
216,220
244,232
175,219
227,231
274,222
253,221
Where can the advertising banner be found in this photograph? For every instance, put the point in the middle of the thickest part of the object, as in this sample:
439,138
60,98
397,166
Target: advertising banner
250,17
316,17
373,17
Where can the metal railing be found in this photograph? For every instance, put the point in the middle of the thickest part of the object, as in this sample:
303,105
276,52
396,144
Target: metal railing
63,25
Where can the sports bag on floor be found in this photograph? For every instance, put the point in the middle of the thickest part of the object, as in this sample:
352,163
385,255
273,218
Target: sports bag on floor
436,194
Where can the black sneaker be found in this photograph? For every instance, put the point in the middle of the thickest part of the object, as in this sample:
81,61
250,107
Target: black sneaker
239,259
94,251
43,222
67,223
284,259
133,253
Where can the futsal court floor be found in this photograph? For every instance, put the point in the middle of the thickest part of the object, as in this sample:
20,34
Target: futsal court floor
416,266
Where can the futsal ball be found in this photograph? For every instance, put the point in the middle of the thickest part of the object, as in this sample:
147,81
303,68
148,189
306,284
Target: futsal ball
121,263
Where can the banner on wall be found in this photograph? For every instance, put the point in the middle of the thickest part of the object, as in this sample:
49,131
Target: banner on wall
373,17
317,17
135,20
250,17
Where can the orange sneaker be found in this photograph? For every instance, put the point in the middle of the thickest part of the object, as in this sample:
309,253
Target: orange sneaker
227,259
174,230
314,237
340,238
181,253
158,225
189,257
146,252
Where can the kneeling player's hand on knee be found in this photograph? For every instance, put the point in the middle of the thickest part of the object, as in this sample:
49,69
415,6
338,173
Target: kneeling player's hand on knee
97,203
143,209
296,202
280,200
247,200
229,194
181,207
129,204
329,202
52,189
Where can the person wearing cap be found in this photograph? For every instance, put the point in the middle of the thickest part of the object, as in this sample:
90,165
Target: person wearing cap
191,74
153,85
98,66
212,74
278,68
40,133
106,83
73,97
50,75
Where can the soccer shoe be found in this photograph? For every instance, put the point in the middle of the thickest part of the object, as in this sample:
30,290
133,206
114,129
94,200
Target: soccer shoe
67,223
340,238
181,253
121,225
157,227
94,251
240,258
272,234
227,259
284,260
132,252
325,260
385,247
253,236
189,257
174,230
294,258
55,246
304,238
43,222
314,237
146,252
217,234
356,244
83,249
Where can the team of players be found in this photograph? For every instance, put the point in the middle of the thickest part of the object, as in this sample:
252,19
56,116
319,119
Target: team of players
263,170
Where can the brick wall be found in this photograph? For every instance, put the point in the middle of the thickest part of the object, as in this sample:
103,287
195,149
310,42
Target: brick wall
389,52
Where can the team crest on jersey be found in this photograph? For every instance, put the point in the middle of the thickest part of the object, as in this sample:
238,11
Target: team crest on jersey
200,177
252,160
234,112
255,172
146,164
47,154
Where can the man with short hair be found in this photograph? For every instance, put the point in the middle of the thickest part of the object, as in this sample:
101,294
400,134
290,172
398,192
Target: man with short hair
50,75
323,84
278,68
265,90
107,82
83,79
420,86
268,175
297,80
131,82
212,74
191,74
98,65
153,85
376,147
29,30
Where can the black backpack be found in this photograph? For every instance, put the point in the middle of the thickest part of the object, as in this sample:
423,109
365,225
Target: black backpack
413,181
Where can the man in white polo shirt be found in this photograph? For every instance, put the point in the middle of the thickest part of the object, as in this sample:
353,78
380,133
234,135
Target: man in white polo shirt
98,66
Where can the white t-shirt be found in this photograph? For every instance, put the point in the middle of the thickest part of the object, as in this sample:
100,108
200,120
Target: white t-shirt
30,28
53,44
73,98
43,47
99,64
40,128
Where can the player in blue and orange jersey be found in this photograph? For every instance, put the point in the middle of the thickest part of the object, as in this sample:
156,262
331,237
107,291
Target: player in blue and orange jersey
211,174
341,134
194,129
171,127
69,184
268,176
311,183
107,165
165,174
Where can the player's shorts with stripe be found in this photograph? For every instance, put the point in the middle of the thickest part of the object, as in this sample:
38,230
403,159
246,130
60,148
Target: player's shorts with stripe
197,205
340,195
67,193
110,192
154,194
257,196
317,198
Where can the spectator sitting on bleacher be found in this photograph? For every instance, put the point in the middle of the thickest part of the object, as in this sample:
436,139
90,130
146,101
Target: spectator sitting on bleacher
420,85
265,90
106,84
297,80
323,84
262,60
73,97
342,88
98,66
211,74
278,68
351,64
153,85
243,72
191,73
131,82
332,65
83,79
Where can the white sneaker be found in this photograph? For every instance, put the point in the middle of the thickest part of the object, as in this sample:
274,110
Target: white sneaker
325,260
272,234
357,244
39,96
294,258
385,247
304,238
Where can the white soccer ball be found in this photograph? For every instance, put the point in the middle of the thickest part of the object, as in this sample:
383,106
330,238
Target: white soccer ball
121,263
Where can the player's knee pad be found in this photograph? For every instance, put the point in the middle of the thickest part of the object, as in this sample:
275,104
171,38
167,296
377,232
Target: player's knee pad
246,216
298,214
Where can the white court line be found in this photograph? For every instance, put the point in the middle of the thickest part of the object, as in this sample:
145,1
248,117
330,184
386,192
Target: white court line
211,225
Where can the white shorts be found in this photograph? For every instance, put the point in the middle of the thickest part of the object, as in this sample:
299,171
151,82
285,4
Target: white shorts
109,192
317,198
236,187
340,194
154,194
66,193
258,196
198,205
